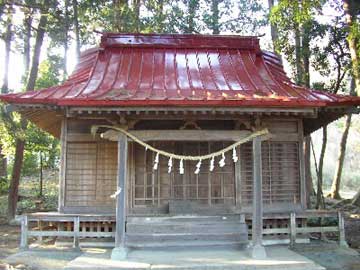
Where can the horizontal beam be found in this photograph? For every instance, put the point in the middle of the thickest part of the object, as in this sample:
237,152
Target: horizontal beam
182,135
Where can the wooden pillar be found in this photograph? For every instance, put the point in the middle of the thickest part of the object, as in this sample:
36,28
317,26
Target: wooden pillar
258,250
120,252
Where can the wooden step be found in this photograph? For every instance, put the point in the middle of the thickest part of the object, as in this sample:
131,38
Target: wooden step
177,231
185,227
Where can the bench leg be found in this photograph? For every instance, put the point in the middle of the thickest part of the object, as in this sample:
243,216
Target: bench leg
24,233
342,239
292,229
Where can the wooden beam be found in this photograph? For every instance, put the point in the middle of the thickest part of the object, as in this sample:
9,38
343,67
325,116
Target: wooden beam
258,251
182,135
62,174
119,252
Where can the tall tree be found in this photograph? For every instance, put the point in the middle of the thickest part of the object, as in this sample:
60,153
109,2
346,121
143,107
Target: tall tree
5,86
76,28
20,140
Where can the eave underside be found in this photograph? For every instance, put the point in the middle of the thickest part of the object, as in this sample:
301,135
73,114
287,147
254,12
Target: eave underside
50,118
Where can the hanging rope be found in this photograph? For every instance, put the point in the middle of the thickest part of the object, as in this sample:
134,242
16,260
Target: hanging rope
222,152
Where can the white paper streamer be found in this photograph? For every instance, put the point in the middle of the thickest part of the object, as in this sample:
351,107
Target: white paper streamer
234,156
222,161
170,164
181,168
198,165
212,165
156,162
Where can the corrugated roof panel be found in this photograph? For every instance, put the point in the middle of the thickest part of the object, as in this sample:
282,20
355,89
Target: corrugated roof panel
179,70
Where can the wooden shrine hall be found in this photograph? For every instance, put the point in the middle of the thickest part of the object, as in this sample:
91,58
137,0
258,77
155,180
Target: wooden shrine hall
199,142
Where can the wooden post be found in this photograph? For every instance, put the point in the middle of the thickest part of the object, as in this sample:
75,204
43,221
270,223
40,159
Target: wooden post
24,233
342,239
120,252
76,244
292,229
40,239
258,250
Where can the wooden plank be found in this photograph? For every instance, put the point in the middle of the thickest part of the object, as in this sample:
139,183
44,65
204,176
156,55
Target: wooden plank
317,229
276,231
62,174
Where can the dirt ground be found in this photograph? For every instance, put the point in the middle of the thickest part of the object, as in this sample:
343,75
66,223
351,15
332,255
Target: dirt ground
326,254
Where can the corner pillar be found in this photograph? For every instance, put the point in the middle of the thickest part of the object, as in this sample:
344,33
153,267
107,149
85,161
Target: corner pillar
120,250
257,249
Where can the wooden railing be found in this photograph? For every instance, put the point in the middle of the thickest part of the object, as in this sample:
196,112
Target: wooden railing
76,233
292,231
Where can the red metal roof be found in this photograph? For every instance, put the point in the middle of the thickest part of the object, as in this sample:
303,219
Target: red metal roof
179,70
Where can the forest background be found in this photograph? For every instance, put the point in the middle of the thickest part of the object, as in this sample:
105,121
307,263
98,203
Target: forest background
41,40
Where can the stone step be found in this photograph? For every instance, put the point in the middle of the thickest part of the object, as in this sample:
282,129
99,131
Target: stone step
176,244
184,237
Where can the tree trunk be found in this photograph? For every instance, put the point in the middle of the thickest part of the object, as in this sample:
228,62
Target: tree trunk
192,8
136,8
215,27
336,183
15,178
5,86
319,193
27,38
66,38
77,29
41,175
350,15
7,40
3,164
308,178
20,143
37,49
299,70
119,21
274,31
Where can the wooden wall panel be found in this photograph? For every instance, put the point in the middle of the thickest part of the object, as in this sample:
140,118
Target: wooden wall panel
281,173
91,174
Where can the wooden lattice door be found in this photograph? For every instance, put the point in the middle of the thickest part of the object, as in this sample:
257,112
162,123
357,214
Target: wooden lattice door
155,189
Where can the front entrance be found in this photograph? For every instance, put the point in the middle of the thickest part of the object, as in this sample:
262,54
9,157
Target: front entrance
158,191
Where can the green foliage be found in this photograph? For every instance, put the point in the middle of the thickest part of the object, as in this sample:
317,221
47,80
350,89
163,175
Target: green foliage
4,185
49,72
